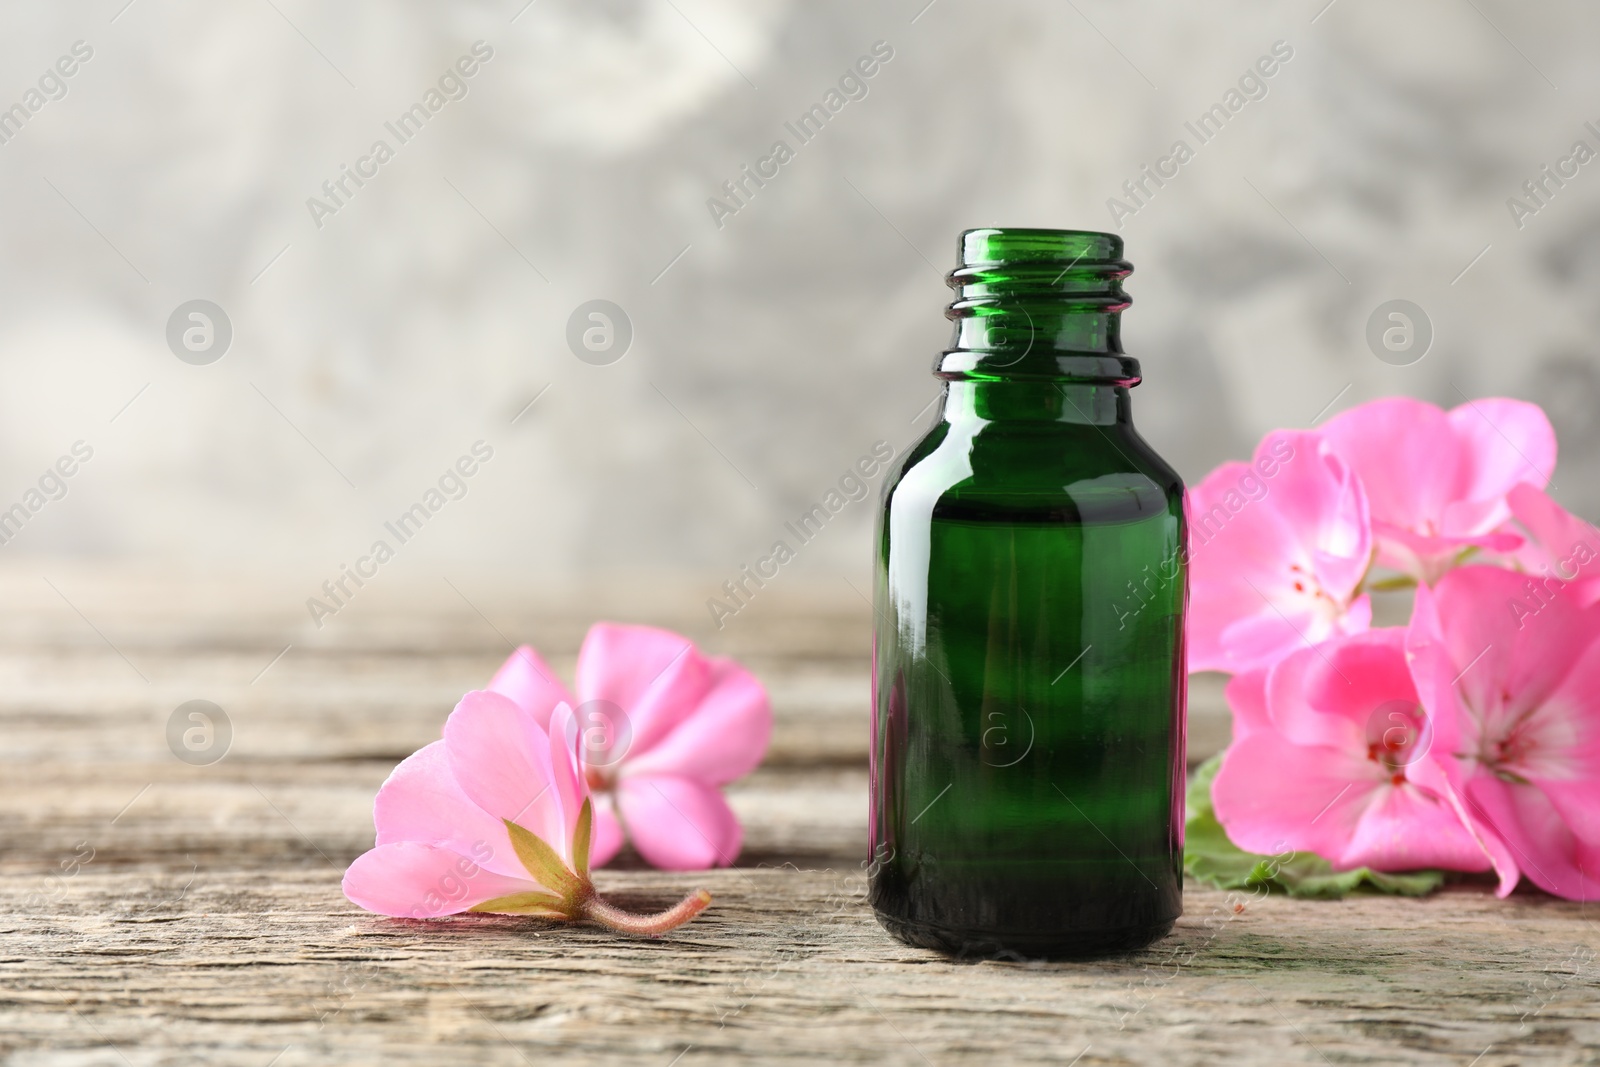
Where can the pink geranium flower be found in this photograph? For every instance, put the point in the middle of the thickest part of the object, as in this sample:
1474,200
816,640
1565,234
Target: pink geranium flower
1437,481
1517,678
1278,549
1338,758
496,817
659,728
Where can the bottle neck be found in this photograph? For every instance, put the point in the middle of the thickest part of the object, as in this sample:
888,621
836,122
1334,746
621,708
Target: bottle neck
1038,305
1038,400
1021,327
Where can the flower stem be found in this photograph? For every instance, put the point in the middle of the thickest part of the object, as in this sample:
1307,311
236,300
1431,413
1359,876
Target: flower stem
626,922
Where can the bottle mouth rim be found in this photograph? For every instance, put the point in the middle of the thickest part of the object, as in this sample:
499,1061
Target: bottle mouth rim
1001,269
991,245
1042,231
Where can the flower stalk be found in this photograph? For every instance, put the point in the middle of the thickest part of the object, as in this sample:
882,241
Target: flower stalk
626,922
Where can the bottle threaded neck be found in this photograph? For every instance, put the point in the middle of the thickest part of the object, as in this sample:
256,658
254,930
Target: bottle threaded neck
1033,303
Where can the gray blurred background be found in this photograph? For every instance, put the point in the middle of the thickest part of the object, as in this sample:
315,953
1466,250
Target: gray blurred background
771,347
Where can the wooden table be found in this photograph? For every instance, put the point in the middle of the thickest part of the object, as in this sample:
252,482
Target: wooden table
161,913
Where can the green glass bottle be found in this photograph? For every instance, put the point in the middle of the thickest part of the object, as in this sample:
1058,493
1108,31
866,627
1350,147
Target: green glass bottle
1028,664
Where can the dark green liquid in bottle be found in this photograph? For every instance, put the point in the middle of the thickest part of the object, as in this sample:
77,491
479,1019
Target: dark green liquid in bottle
1029,688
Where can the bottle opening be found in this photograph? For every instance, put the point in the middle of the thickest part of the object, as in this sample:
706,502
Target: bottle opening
993,246
1037,303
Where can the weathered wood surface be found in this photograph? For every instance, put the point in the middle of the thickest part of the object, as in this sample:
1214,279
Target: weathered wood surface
158,913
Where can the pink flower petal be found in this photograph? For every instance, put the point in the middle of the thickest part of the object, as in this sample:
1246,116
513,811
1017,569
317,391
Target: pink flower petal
1508,639
1406,454
1566,547
1247,697
1321,497
1272,795
722,738
678,824
501,759
1290,686
1557,529
654,677
1361,673
1504,443
605,836
1561,746
530,683
1577,802
1278,547
419,881
1265,636
1357,617
1226,494
1437,482
620,663
1213,644
1546,850
421,802
1407,828
566,774
1433,672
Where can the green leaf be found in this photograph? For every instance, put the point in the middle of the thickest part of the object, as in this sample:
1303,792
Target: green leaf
1213,860
542,861
544,904
580,839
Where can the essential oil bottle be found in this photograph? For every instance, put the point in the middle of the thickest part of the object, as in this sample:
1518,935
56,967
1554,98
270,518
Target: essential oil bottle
1029,685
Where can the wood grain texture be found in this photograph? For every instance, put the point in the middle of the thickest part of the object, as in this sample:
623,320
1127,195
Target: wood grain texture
159,913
